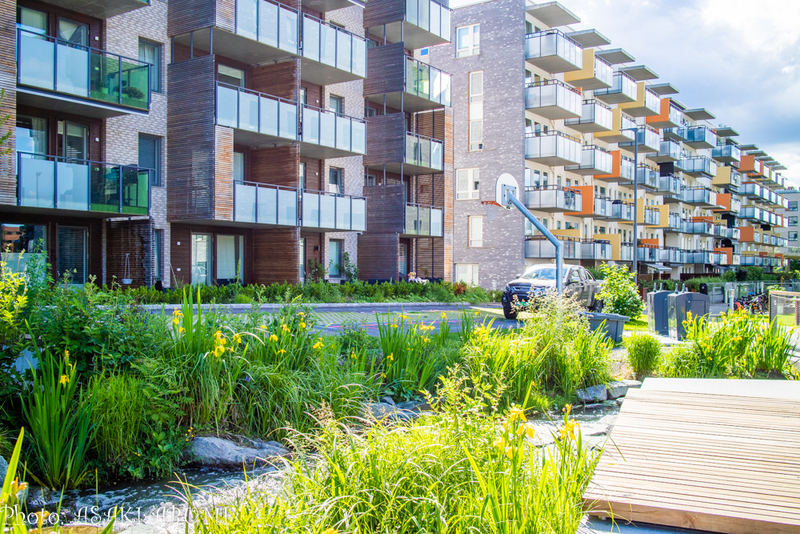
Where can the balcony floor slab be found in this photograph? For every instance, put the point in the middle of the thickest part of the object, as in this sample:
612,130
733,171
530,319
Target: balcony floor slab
72,104
234,46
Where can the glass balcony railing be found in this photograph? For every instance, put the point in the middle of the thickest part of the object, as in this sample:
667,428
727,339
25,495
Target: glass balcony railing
647,138
430,16
264,204
81,185
553,198
670,185
538,247
648,254
424,151
652,101
594,160
647,177
727,153
626,251
699,165
699,195
553,99
595,117
271,23
334,46
675,134
667,151
553,51
698,227
603,207
698,256
553,147
603,71
596,249
700,137
427,82
670,255
327,128
652,216
622,210
62,67
751,190
330,211
256,112
424,220
623,89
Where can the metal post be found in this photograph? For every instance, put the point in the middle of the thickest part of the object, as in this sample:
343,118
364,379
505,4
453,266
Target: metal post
635,201
550,237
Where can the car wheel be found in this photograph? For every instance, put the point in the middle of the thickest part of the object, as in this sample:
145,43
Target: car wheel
510,314
598,306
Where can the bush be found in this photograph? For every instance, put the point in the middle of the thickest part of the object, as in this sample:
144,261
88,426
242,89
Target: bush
644,353
619,292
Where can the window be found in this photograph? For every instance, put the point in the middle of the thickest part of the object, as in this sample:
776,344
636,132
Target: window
151,53
158,254
372,179
21,243
545,179
475,231
792,205
73,32
425,51
230,75
201,259
238,167
558,225
72,253
150,157
792,236
468,184
32,20
468,40
303,95
336,181
302,258
230,252
336,250
336,104
31,135
467,273
792,221
476,110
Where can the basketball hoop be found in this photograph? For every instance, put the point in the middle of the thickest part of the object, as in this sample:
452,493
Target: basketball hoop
492,209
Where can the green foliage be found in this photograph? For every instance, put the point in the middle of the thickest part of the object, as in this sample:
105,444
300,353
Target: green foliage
644,353
13,302
619,292
754,273
597,273
316,271
59,419
349,269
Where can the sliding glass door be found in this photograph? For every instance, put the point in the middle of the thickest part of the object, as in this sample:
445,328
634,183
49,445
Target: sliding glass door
201,259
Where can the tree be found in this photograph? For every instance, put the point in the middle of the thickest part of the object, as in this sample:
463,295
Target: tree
619,293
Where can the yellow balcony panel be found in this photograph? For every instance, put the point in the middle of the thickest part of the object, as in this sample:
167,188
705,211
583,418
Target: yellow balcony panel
596,73
619,132
646,104
727,178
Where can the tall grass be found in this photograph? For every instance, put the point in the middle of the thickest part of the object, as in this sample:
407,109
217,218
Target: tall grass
644,353
409,365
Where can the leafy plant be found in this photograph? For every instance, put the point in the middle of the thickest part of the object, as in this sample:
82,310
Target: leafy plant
316,271
13,301
349,269
619,292
644,353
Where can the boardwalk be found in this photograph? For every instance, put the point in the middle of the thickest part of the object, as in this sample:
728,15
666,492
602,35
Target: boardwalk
720,462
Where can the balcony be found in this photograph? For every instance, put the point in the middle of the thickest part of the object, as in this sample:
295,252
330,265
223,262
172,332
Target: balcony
415,23
626,252
755,214
553,198
727,154
652,216
647,254
698,228
424,155
699,166
675,134
323,6
594,160
595,249
727,178
675,223
621,211
700,137
423,221
264,204
699,196
623,89
647,177
595,117
553,51
404,82
58,75
76,185
333,212
671,187
553,99
257,118
553,148
603,208
698,257
623,170
647,138
596,73
620,130
647,103
728,203
668,151
100,9
752,190
331,54
670,116
538,247
670,255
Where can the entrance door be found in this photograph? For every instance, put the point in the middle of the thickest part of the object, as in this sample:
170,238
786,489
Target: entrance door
72,253
402,261
230,252
201,259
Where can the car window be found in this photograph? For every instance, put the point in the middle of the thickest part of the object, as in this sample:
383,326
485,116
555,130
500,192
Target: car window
582,273
574,276
543,272
589,276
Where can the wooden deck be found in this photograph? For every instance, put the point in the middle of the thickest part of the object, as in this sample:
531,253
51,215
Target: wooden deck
719,463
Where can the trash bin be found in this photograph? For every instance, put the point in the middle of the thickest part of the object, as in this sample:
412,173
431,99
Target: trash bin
703,289
680,304
658,311
612,323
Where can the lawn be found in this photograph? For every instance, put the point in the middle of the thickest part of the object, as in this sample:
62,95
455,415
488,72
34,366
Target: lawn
638,324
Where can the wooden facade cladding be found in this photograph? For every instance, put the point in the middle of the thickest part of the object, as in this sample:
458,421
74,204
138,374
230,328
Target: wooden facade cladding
223,173
383,12
279,166
386,67
276,256
385,208
134,238
8,105
279,79
378,256
192,140
190,15
386,139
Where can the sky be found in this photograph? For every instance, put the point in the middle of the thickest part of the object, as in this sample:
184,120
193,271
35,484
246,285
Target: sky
739,59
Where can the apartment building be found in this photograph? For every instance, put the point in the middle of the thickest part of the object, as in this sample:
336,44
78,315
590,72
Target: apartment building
207,141
583,128
790,232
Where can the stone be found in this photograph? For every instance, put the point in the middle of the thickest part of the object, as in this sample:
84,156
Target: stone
218,452
39,497
144,529
620,388
408,405
381,411
388,400
593,394
3,468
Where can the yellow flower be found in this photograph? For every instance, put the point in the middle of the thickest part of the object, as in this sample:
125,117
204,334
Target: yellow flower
394,325
477,313
302,324
176,312
284,328
181,330
426,339
444,316
710,359
66,355
273,337
569,429
318,345
511,452
499,443
176,321
517,413
282,351
567,409
301,314
237,338
353,356
331,531
390,357
526,429
263,327
64,380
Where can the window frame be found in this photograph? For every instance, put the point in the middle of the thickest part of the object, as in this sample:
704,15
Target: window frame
155,67
478,242
474,273
791,221
789,207
155,178
471,192
339,260
473,49
158,254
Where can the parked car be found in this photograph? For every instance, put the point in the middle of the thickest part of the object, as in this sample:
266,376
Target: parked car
539,280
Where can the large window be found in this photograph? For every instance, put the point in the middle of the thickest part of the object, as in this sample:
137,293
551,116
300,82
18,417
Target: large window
792,205
32,20
230,252
476,110
792,221
468,184
150,157
20,243
475,231
151,53
467,273
468,40
336,251
336,104
238,167
72,254
230,75
336,181
159,254
201,259
31,135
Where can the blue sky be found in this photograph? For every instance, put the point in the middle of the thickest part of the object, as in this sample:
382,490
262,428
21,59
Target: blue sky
740,59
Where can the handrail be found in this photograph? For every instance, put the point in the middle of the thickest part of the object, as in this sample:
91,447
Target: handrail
530,135
555,82
331,112
551,187
334,26
597,102
553,32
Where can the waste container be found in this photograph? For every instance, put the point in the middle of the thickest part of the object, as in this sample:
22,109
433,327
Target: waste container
658,311
703,289
612,323
680,304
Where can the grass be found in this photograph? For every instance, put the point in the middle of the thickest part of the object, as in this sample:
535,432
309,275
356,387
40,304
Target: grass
639,324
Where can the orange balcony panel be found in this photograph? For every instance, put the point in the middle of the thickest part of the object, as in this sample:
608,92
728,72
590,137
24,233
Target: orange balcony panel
668,117
704,218
747,164
648,243
587,194
622,169
728,251
746,234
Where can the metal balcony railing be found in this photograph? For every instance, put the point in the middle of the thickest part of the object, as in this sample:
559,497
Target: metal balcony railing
424,220
334,46
424,151
328,128
245,109
553,197
264,204
554,50
427,82
269,22
332,211
595,116
429,15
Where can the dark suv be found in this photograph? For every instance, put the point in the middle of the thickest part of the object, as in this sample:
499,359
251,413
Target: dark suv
539,280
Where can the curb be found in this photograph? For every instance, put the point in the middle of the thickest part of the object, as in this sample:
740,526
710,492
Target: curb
243,308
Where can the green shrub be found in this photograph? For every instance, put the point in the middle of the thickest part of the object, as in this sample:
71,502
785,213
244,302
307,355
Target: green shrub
681,361
644,353
619,292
